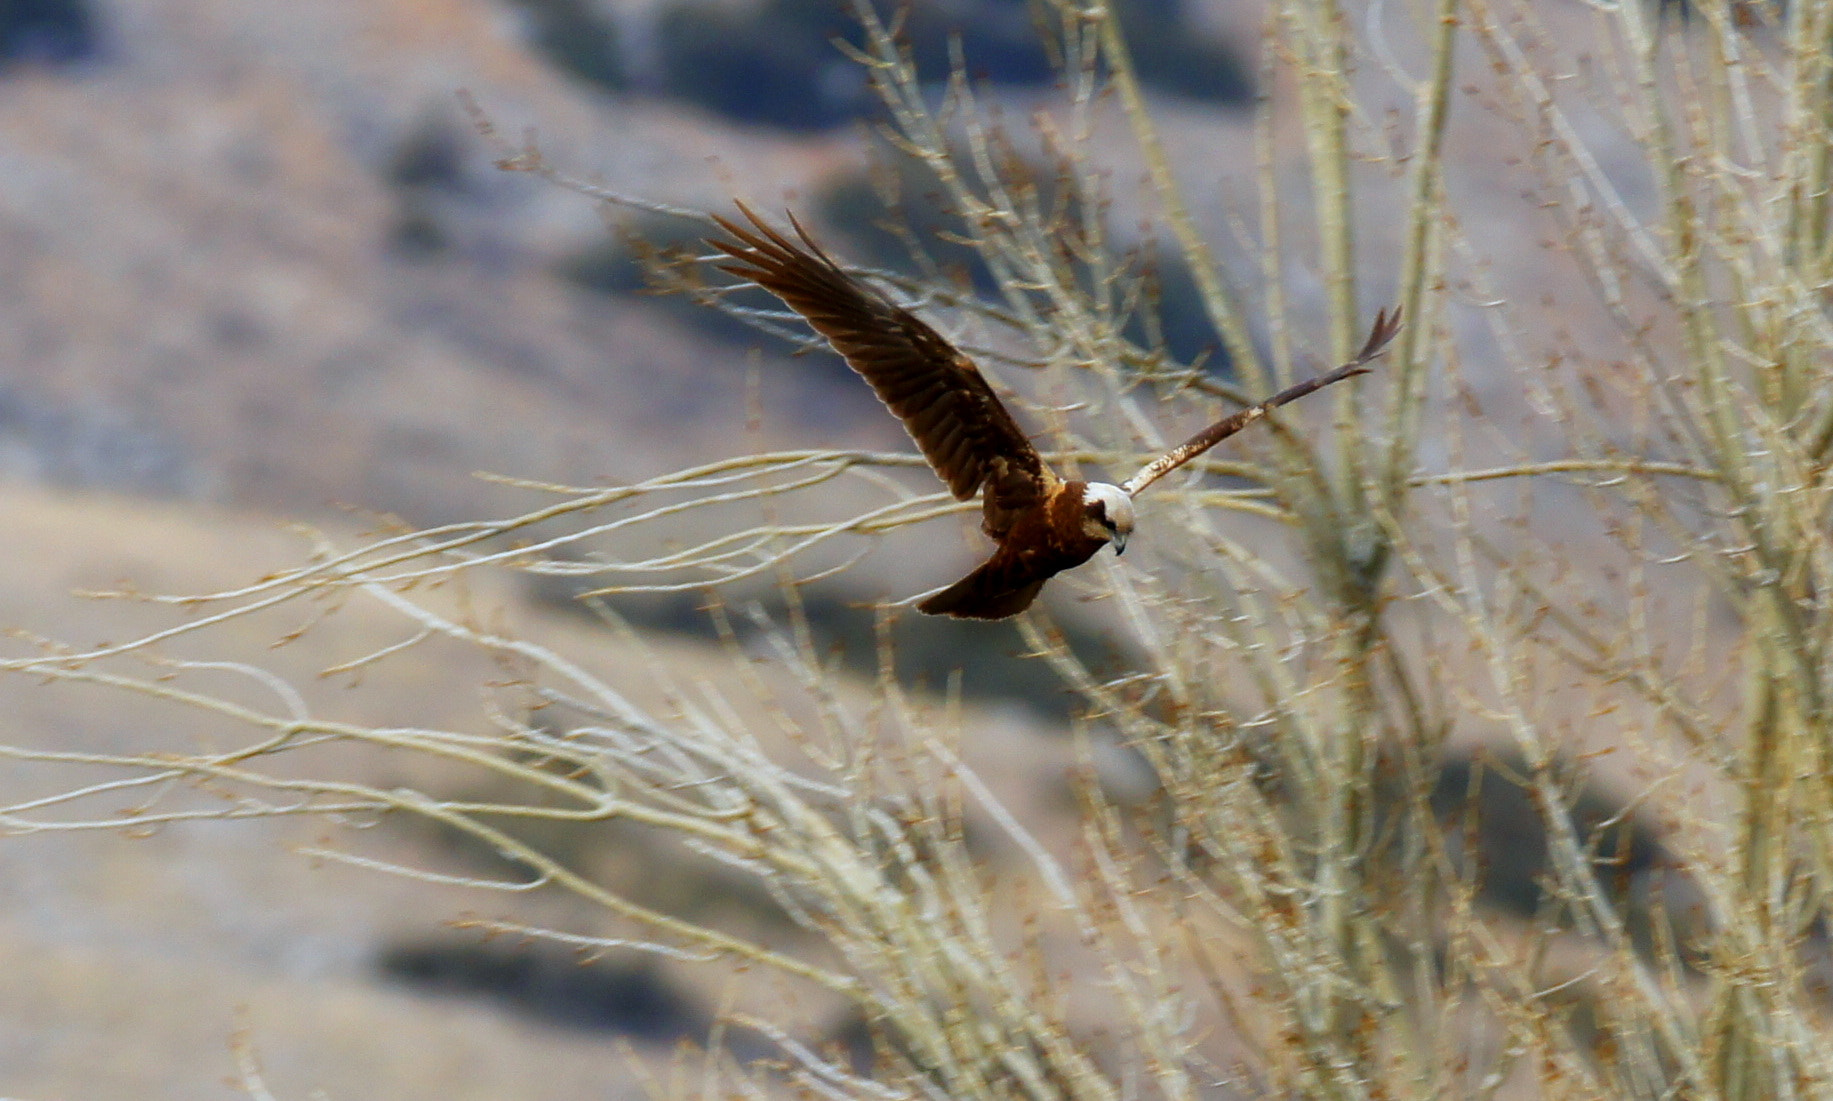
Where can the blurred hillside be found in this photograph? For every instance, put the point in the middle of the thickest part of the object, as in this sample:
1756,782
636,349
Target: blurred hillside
257,256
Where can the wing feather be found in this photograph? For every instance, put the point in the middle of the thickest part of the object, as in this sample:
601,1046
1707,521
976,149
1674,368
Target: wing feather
1386,325
998,588
963,429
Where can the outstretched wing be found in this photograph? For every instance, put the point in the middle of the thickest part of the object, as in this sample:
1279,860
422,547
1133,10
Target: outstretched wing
1385,328
961,426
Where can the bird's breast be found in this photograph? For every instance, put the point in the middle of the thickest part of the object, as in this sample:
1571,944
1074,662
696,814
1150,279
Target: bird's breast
1058,530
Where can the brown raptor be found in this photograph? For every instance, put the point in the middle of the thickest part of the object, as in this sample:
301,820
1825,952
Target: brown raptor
1042,523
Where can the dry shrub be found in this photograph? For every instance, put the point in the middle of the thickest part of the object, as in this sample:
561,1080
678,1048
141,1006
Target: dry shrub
1579,519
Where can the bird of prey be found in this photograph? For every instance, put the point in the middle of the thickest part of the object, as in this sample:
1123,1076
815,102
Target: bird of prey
1042,523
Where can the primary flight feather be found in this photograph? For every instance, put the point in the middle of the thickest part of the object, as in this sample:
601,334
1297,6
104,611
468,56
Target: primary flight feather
1042,524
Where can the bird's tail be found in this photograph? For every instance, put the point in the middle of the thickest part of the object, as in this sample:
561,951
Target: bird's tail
987,593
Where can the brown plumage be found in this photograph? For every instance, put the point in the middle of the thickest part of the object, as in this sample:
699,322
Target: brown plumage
1043,524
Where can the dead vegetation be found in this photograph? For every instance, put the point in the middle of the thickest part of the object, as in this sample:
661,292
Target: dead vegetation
1580,517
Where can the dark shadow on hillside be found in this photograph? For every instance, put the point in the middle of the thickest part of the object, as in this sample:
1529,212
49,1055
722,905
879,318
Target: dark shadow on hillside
550,984
429,174
48,32
885,220
775,63
578,37
1497,838
1745,14
982,661
650,256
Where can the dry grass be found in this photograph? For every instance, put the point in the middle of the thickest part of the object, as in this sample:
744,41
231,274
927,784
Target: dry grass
1587,524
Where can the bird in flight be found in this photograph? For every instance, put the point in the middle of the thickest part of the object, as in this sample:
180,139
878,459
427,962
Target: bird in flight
1042,523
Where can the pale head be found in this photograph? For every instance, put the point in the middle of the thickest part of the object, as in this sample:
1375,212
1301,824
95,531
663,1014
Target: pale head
1108,514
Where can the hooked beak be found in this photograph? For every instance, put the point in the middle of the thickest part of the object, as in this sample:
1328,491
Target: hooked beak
1120,543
